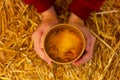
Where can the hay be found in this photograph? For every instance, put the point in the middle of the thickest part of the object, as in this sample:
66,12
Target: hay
18,60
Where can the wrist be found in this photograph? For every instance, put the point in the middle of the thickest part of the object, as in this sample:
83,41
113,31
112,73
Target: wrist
49,15
74,19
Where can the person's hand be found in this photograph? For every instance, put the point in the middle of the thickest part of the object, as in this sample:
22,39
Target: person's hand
49,19
90,39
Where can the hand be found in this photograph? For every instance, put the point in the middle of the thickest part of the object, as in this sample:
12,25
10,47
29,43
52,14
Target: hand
90,39
37,36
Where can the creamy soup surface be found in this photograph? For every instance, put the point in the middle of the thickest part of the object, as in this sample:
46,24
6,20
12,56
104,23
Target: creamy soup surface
64,45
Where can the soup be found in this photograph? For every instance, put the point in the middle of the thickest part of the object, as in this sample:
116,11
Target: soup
64,45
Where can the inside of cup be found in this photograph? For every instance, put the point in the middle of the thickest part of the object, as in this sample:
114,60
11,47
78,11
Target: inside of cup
64,43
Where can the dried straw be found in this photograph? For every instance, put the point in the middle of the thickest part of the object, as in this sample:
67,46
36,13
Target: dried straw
19,61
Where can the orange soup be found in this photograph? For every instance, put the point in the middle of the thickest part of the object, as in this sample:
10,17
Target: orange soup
64,45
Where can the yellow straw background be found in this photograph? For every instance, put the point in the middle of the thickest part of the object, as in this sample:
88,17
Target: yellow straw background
19,61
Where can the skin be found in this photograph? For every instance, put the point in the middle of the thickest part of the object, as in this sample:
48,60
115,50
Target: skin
38,35
90,39
49,18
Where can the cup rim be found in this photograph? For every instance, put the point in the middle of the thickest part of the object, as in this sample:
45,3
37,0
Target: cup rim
72,26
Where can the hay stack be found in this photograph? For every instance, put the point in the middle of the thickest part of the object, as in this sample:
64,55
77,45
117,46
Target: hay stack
18,60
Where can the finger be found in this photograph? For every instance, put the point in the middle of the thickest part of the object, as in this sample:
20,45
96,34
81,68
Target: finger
36,37
87,36
42,41
37,40
43,36
46,58
41,53
85,58
90,42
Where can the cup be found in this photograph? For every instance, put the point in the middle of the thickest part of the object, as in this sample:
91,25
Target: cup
64,43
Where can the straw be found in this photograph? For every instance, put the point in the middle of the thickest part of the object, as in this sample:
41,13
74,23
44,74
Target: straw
18,60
